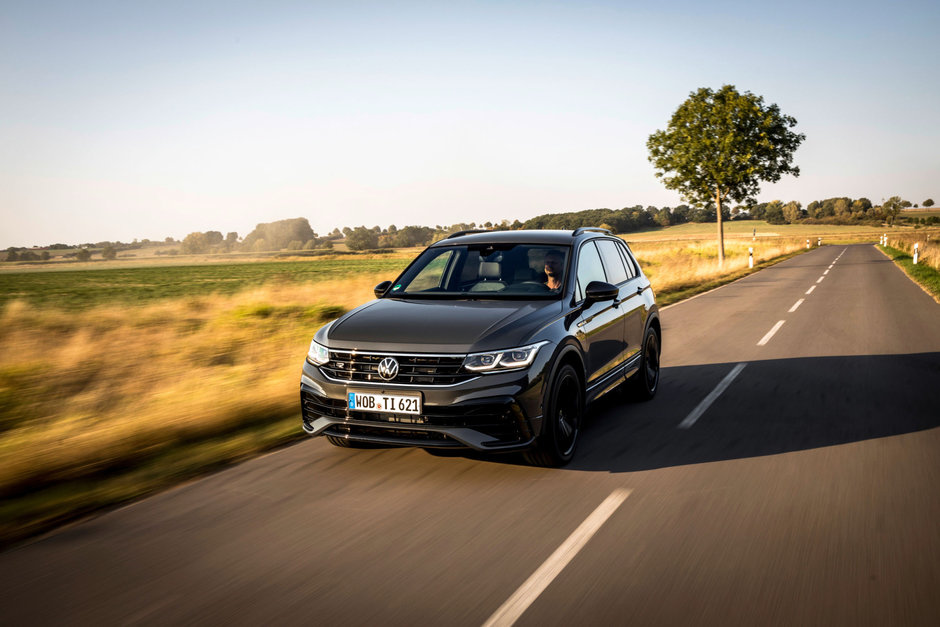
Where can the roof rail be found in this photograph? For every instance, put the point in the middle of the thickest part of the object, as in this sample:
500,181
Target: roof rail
586,229
467,232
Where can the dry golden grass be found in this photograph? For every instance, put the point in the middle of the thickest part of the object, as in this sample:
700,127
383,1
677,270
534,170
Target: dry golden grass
678,265
928,249
93,395
89,391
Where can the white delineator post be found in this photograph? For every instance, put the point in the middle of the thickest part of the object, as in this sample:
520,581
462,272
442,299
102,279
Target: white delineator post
915,253
750,257
807,242
819,241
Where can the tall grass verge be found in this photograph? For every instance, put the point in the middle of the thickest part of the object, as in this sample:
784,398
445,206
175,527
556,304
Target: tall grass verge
89,396
681,269
926,275
105,403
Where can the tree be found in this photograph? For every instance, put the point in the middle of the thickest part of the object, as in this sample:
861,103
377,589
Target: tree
109,252
279,234
892,207
792,212
84,254
841,207
722,144
773,213
362,238
861,205
928,202
195,243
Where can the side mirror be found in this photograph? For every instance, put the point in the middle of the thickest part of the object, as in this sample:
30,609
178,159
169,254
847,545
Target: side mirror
598,291
381,288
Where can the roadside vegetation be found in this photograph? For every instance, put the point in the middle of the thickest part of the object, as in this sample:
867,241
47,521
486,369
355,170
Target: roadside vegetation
926,272
115,383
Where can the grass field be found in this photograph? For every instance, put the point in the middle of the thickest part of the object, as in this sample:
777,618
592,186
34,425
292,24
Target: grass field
759,229
136,284
117,382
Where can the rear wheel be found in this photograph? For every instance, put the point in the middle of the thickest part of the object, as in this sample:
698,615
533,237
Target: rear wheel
646,380
562,421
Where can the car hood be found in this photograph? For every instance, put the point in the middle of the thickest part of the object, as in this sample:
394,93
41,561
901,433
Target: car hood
445,326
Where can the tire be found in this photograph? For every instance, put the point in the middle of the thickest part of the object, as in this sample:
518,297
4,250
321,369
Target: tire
562,422
646,380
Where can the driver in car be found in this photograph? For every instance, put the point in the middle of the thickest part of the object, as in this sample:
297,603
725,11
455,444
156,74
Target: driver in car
554,266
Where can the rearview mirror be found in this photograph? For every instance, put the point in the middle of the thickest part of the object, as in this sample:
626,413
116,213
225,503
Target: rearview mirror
598,291
379,289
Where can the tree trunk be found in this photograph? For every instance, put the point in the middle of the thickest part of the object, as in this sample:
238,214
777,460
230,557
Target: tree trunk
721,230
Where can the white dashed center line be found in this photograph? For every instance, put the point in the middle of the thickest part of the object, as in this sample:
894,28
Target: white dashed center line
820,279
708,400
510,611
810,290
770,333
795,305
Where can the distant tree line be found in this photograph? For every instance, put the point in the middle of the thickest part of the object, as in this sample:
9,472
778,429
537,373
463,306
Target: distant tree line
296,233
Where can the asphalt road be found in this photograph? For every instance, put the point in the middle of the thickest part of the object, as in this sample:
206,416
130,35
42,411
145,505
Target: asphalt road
807,492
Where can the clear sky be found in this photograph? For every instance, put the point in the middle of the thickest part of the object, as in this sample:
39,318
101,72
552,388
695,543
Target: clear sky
123,120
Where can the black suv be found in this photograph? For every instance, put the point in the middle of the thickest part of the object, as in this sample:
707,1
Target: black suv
493,341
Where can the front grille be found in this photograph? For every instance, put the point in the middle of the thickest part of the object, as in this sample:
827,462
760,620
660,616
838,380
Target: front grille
412,369
496,421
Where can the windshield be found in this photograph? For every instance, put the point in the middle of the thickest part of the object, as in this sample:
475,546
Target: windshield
518,271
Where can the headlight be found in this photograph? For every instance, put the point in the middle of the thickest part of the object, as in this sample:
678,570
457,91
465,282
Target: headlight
508,359
318,353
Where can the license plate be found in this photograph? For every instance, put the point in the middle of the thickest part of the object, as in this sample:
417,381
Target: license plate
385,403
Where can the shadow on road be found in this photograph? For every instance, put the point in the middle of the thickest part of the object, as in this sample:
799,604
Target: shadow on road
774,406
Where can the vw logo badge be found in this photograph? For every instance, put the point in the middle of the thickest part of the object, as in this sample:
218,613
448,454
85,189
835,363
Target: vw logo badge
388,368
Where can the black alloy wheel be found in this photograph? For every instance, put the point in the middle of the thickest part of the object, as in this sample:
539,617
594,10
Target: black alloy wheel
562,421
646,381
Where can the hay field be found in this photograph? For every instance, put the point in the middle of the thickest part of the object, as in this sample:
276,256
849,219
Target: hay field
116,383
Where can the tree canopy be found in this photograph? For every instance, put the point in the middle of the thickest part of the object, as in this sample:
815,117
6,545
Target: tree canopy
722,144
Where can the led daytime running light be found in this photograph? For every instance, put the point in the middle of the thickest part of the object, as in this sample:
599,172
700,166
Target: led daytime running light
508,359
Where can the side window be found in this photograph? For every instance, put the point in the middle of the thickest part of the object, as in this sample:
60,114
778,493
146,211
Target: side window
589,268
613,262
630,261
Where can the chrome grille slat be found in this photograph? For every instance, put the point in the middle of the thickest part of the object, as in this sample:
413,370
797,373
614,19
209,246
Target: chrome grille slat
352,366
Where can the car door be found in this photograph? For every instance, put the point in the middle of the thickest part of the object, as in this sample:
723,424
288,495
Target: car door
600,325
623,274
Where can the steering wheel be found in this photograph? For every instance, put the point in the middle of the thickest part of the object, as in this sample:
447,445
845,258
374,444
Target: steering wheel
530,286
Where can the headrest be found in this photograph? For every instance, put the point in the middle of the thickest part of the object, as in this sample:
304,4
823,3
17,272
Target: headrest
489,270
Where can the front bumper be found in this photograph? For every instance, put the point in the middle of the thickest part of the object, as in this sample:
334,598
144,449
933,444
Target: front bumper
493,412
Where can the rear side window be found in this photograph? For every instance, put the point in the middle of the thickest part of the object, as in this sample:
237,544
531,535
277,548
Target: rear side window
613,262
631,264
589,268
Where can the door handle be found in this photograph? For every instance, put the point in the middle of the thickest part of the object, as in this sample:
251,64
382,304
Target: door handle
639,289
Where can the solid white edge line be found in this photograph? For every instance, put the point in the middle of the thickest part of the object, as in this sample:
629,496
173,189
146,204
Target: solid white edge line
770,333
708,400
510,611
810,290
795,305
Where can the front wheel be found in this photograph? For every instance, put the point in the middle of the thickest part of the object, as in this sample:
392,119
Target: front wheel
561,422
646,380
